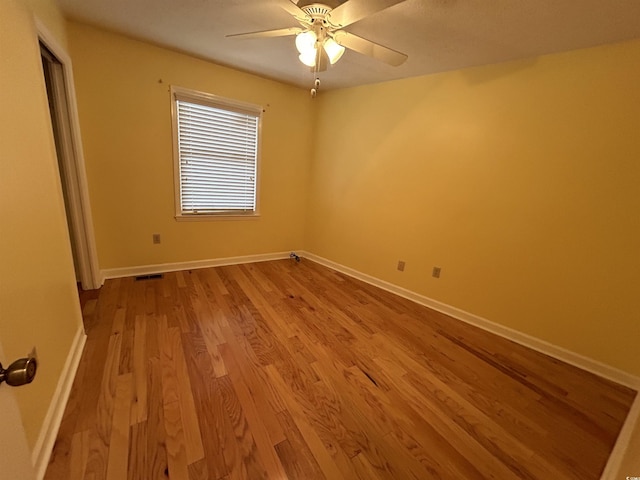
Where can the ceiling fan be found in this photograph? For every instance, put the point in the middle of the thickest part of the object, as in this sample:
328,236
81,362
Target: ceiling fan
321,40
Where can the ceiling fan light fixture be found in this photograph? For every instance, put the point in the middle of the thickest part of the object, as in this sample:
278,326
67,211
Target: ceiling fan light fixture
334,50
306,42
321,39
309,58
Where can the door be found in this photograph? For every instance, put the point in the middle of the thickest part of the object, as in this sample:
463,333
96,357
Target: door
15,458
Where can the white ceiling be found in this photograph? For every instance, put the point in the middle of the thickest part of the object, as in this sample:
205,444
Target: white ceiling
438,35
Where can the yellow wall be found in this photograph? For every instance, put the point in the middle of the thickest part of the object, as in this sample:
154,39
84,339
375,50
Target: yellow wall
38,298
126,126
48,12
521,181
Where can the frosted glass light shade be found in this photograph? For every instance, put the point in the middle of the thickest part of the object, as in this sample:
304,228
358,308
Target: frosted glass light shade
333,49
306,42
309,58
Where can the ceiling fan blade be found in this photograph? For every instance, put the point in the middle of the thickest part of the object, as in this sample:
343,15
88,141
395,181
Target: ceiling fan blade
283,32
369,48
354,10
291,7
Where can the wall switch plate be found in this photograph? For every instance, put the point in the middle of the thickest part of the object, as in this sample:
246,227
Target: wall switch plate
401,265
436,272
156,238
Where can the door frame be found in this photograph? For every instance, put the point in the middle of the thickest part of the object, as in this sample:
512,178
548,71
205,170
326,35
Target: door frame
81,221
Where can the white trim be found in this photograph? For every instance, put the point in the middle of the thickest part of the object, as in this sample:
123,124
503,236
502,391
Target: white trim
200,217
567,356
49,430
620,449
79,196
216,101
174,267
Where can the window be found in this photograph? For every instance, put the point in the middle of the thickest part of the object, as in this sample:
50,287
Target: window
216,154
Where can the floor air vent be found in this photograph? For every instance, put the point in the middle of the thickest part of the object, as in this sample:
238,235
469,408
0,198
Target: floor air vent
149,277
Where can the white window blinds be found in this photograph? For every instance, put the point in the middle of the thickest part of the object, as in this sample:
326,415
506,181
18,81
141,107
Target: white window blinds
217,145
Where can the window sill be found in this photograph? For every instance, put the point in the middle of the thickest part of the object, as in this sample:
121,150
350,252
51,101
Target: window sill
217,217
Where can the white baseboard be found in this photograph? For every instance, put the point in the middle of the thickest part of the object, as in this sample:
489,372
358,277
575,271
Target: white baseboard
620,451
572,358
175,267
49,430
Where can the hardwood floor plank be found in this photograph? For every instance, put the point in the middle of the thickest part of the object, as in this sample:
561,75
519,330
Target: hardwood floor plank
282,369
117,325
89,307
294,453
156,450
152,347
198,470
214,424
126,352
140,374
176,442
312,438
373,401
119,442
176,387
138,464
220,461
240,451
260,303
180,279
363,468
79,455
100,433
465,443
255,417
361,402
249,372
97,349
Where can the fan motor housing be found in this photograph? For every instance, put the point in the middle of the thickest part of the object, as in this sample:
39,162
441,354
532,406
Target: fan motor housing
316,10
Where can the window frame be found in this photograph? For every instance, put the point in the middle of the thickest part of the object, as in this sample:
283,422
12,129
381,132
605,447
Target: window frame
215,101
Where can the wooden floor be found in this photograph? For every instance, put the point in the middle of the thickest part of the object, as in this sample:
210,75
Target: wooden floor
290,370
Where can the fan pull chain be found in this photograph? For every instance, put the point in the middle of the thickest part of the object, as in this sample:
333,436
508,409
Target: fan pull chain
316,73
315,88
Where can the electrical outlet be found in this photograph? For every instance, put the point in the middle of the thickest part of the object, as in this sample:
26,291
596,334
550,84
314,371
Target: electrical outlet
401,265
156,238
436,272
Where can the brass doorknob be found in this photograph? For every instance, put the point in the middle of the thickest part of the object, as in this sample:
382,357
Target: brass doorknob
20,372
